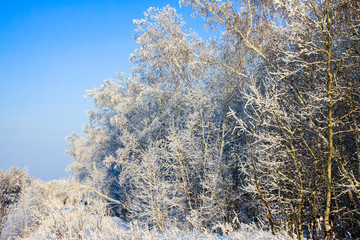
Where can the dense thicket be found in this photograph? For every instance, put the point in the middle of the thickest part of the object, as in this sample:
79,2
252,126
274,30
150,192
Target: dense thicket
259,126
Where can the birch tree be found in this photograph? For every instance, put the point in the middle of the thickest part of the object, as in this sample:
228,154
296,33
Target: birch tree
300,120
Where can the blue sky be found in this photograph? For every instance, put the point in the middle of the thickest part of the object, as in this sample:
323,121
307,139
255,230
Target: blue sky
51,52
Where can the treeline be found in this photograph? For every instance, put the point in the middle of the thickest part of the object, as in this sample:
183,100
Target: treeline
259,126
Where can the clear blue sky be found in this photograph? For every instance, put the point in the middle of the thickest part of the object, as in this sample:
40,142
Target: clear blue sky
51,52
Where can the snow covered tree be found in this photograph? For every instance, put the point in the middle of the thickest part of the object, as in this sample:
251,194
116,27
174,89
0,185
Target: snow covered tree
285,157
302,120
139,126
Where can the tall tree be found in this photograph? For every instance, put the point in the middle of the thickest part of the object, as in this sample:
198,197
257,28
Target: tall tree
305,116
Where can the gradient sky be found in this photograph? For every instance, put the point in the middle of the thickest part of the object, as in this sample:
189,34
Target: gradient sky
51,52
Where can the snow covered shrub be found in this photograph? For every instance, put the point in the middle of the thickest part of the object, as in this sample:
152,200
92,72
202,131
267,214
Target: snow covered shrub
58,210
27,214
12,184
76,212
